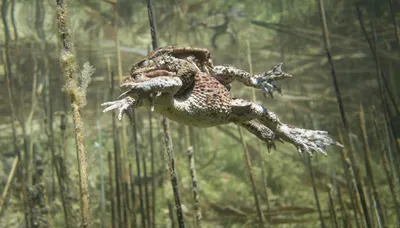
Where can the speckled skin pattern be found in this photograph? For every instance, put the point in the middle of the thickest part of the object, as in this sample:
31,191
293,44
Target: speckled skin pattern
182,84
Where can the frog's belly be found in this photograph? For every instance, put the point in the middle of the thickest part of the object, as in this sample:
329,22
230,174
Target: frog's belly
197,118
199,111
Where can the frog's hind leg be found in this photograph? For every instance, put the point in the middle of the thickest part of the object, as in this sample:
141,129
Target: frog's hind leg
261,131
305,140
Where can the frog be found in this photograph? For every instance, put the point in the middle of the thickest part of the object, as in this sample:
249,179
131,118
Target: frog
225,74
182,84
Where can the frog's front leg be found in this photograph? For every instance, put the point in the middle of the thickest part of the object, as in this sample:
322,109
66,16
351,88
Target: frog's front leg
264,81
136,92
123,106
160,84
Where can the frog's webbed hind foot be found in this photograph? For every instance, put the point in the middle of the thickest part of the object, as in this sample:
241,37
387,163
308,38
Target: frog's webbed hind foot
306,140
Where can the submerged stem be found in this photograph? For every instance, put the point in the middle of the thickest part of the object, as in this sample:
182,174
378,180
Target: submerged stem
69,68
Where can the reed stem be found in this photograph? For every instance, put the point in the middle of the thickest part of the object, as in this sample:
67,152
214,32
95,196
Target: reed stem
69,68
139,171
334,214
172,172
111,190
354,199
167,131
133,196
395,27
153,176
195,187
370,173
251,175
354,166
8,184
321,217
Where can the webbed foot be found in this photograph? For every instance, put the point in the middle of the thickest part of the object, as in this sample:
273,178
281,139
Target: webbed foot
306,140
266,81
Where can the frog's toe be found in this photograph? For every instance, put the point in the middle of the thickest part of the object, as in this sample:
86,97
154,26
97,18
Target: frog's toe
267,80
268,89
123,106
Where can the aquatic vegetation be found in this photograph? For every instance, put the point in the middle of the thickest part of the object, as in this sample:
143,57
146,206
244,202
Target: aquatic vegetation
128,182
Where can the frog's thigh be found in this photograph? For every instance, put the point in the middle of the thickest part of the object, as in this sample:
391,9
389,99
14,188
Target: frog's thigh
243,110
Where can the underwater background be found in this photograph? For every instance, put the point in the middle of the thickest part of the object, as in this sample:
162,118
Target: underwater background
65,163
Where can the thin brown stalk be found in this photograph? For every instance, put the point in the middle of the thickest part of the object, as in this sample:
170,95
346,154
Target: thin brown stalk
8,74
111,190
370,173
127,220
163,167
321,217
251,175
146,190
354,199
13,21
139,172
334,215
56,164
343,209
383,86
117,156
123,175
167,131
264,179
265,186
354,165
395,27
9,180
195,187
133,196
172,171
153,177
59,166
101,163
382,81
392,185
69,68
327,46
389,171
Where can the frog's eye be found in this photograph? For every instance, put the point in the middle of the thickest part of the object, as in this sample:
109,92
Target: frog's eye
146,63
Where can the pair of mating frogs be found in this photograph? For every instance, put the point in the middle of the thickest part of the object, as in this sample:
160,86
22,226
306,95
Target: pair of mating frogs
182,84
